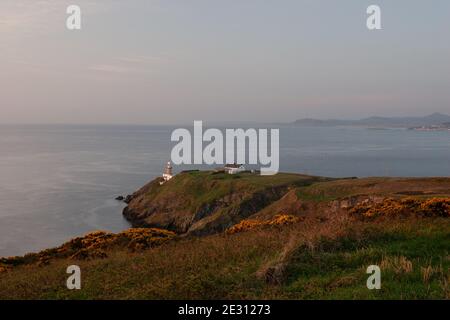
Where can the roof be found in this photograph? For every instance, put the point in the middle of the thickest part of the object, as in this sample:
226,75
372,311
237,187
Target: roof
233,165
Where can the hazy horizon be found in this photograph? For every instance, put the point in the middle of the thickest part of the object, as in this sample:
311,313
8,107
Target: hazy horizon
210,122
168,62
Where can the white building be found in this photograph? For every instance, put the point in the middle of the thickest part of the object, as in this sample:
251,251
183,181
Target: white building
233,168
167,175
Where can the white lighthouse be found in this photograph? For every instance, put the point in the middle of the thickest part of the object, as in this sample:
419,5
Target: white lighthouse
167,175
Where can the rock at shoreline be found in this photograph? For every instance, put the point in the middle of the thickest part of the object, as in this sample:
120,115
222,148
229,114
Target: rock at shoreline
127,199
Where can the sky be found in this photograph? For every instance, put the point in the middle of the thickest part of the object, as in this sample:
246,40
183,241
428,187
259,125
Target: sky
173,61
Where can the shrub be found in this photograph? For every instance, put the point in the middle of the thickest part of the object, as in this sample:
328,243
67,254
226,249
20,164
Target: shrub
250,224
94,245
434,207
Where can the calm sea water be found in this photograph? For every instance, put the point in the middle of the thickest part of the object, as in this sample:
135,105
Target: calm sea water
58,182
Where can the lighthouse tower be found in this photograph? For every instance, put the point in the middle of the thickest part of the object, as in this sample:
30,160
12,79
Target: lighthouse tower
167,175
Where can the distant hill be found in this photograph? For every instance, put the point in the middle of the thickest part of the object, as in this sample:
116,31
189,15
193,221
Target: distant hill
391,122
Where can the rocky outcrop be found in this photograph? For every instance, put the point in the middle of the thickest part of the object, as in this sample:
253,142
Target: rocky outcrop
201,203
94,245
226,215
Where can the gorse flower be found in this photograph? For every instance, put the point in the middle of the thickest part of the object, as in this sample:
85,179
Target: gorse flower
249,224
434,207
94,246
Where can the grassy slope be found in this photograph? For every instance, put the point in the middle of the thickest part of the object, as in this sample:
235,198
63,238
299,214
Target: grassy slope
204,202
321,262
393,187
314,258
201,187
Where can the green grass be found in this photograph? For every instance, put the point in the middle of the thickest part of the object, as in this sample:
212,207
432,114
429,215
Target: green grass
219,185
217,194
337,270
331,265
333,189
327,189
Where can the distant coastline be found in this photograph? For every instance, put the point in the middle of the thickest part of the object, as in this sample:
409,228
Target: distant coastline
432,122
440,127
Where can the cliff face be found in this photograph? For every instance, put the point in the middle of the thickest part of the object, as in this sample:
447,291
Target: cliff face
200,203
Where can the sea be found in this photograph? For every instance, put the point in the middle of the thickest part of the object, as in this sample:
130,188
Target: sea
60,181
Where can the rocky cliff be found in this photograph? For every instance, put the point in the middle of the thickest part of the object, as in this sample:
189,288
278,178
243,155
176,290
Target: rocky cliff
205,202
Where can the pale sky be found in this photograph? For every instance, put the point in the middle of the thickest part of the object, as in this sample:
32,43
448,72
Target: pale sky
172,61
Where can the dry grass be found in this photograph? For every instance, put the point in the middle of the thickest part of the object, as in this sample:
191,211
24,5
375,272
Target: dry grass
218,266
397,264
316,256
429,272
307,237
303,260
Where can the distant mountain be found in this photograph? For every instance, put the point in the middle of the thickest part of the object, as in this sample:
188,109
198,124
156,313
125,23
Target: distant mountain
390,122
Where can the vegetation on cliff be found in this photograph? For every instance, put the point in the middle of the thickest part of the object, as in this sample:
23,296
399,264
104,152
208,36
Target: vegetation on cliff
205,202
287,236
304,260
434,207
251,224
93,246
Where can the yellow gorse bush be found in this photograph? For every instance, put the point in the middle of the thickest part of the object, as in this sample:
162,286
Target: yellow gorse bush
94,246
250,224
434,207
282,219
